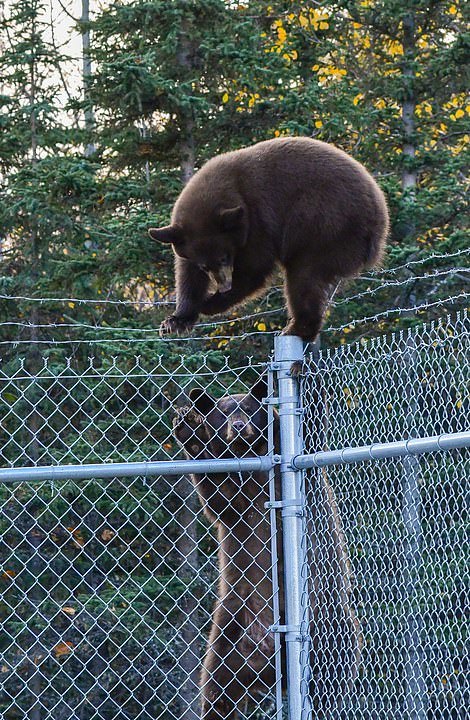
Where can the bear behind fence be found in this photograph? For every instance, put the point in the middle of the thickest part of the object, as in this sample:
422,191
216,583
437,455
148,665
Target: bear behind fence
239,664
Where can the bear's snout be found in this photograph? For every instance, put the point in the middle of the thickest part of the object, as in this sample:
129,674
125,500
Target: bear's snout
223,278
239,427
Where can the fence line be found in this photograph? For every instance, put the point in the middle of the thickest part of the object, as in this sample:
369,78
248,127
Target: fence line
110,574
152,334
373,273
398,310
240,318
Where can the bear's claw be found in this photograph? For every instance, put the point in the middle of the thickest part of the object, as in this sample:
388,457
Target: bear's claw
174,325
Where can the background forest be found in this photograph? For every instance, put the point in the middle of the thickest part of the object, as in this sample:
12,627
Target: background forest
105,112
92,153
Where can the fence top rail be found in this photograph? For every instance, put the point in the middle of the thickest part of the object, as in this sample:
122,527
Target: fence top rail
136,469
376,451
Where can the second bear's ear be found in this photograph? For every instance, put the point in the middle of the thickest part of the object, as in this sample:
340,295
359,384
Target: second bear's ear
169,234
231,218
202,400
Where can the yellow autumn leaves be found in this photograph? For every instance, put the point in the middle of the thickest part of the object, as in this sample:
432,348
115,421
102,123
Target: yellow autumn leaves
243,97
327,72
318,19
280,44
310,18
457,106
280,41
335,68
259,326
394,47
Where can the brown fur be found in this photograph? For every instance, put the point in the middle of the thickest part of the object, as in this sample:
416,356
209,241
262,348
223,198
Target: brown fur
239,661
296,202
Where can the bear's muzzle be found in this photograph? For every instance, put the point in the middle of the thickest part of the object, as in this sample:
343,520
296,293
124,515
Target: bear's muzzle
223,278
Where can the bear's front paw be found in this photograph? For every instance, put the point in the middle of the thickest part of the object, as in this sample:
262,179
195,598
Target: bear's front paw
175,325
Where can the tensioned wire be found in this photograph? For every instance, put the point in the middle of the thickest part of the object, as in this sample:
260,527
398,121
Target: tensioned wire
351,324
164,303
242,318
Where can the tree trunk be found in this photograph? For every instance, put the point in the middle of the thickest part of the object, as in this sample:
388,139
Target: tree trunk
186,544
409,175
86,76
187,151
187,145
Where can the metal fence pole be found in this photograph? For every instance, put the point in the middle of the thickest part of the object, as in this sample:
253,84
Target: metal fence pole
273,519
287,350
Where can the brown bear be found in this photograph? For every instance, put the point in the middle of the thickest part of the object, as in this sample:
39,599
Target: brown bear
296,202
239,663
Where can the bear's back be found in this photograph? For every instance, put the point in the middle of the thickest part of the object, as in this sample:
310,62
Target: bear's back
273,175
279,161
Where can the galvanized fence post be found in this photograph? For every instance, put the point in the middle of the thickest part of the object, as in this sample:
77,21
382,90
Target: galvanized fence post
287,350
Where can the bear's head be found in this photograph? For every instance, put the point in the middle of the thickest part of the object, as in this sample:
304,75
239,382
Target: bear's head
235,425
209,242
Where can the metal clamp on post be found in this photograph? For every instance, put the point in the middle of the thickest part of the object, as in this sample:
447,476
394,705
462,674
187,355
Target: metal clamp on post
279,504
270,401
290,508
275,400
292,632
284,366
289,411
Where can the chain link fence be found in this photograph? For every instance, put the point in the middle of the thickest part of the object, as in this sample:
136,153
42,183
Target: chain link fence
400,526
166,596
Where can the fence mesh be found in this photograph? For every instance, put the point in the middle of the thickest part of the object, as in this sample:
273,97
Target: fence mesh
387,572
109,410
110,587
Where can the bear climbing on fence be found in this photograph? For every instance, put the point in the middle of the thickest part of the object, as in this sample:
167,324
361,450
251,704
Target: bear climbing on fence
239,663
295,202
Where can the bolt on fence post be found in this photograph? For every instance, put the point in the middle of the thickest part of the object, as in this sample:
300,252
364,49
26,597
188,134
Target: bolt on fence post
287,350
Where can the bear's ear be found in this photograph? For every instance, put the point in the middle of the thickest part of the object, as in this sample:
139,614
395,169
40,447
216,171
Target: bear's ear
202,400
169,234
231,218
259,389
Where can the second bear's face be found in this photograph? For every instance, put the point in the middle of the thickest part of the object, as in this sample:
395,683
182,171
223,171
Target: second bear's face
236,425
209,243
